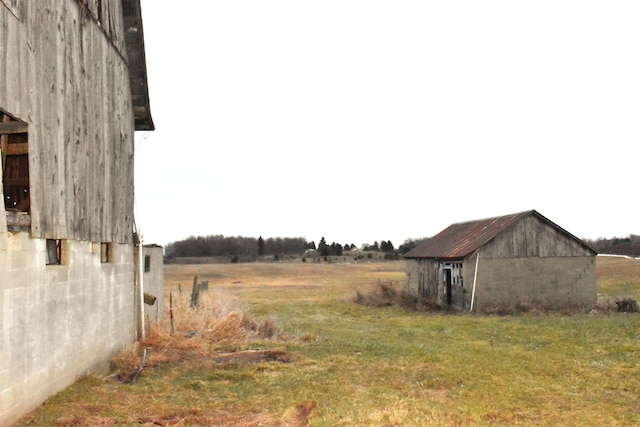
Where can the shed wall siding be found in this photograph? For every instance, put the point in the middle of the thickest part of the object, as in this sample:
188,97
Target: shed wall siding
424,279
532,237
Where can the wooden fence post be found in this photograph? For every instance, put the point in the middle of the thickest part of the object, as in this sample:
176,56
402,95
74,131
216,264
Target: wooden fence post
171,312
194,292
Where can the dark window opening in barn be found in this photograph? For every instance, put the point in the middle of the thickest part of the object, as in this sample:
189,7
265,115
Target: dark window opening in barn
147,263
14,144
105,252
54,251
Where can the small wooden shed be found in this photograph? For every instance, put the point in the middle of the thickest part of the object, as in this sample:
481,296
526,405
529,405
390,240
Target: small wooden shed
505,260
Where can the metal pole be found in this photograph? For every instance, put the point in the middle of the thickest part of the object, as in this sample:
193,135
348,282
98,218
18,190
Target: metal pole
141,285
171,313
475,278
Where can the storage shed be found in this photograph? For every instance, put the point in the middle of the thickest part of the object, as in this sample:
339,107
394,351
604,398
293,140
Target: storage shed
505,260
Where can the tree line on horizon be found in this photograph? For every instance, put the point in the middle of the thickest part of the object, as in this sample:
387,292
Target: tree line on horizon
250,248
235,246
629,246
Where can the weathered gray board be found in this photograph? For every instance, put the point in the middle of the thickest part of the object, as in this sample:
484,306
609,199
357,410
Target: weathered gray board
67,78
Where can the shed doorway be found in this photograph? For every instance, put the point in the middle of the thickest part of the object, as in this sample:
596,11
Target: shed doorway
451,280
447,282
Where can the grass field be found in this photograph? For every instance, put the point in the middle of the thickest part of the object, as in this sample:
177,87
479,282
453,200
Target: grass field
284,344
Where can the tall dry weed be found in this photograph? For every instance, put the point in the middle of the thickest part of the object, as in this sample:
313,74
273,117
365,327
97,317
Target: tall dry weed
215,320
219,319
390,293
217,324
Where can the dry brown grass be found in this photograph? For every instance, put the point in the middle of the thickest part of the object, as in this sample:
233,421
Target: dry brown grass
200,334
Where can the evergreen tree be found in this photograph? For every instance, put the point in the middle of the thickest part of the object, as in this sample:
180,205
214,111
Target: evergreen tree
323,248
336,249
386,246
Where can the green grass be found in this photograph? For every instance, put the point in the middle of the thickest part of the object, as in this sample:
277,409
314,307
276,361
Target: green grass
381,366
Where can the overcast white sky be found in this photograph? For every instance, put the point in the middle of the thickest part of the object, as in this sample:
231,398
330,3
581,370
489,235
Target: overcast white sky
363,121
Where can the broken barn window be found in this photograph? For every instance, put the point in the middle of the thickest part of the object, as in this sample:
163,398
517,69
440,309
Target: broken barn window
54,251
147,263
14,143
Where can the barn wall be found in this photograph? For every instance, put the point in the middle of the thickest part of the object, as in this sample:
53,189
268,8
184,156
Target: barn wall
66,76
550,281
58,321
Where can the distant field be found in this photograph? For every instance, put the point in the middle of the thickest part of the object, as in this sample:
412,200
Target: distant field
619,276
326,361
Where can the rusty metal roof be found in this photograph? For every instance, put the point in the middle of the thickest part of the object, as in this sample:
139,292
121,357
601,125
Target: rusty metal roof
461,239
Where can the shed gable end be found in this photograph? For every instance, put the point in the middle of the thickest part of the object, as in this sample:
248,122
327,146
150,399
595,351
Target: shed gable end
534,236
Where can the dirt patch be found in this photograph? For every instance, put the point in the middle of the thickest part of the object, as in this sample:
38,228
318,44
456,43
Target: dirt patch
304,412
301,417
252,356
168,355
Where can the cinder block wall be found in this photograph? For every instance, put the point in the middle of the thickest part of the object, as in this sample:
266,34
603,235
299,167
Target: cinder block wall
153,281
58,321
552,281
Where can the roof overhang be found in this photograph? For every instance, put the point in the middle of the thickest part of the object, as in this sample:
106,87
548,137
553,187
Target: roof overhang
134,40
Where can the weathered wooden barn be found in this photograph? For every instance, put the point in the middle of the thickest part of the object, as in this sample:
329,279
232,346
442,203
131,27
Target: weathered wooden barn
518,258
73,91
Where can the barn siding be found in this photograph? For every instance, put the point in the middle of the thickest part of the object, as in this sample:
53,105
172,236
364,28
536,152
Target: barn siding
78,108
66,76
18,59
